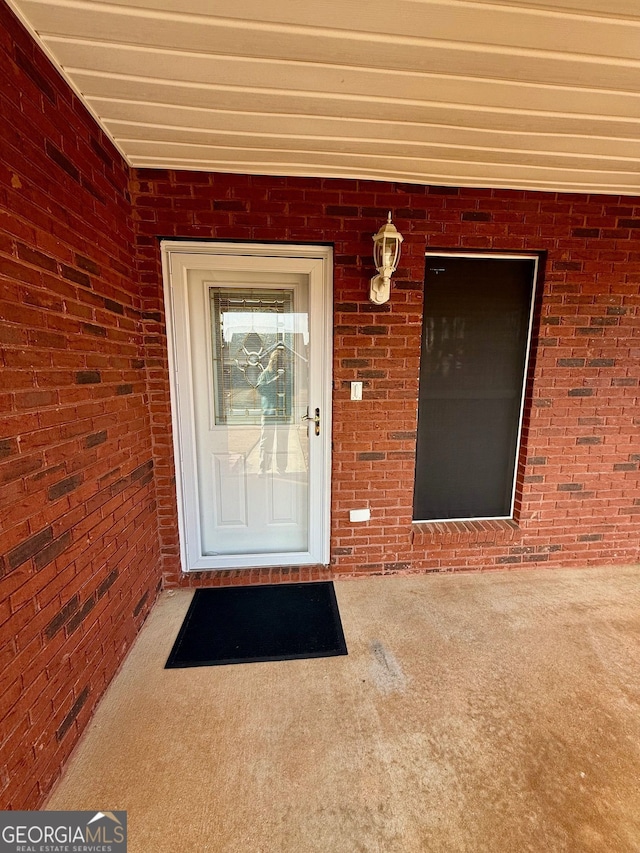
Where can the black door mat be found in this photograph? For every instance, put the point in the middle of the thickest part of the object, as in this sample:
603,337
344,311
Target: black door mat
248,624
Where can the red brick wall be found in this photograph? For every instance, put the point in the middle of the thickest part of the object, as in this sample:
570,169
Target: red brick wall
79,558
578,495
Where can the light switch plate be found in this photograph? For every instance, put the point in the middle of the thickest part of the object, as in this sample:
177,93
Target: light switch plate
356,390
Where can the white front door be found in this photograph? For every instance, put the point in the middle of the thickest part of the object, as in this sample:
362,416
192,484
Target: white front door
249,330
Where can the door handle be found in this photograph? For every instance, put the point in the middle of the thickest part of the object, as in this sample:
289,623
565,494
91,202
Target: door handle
315,419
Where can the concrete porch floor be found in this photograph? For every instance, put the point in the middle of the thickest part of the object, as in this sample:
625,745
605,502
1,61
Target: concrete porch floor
494,713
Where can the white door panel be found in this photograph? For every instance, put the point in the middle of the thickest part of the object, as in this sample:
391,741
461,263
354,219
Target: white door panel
250,328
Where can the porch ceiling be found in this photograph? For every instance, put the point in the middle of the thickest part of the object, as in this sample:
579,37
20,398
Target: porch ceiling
522,94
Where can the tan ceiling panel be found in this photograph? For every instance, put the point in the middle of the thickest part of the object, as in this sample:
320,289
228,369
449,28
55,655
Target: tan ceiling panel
335,105
258,74
192,119
488,161
218,35
499,152
517,93
138,120
491,26
601,8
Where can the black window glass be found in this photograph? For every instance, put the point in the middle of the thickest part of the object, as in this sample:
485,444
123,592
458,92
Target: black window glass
474,347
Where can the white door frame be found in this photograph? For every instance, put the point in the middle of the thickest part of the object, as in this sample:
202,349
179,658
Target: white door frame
313,260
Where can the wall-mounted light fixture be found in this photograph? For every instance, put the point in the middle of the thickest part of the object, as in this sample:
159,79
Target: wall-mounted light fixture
386,254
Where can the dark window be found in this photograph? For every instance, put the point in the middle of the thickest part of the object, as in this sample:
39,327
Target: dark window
476,329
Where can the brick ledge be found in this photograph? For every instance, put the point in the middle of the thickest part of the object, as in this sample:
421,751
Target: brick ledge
449,532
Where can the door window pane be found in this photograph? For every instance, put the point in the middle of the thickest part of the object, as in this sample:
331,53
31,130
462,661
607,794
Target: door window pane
254,338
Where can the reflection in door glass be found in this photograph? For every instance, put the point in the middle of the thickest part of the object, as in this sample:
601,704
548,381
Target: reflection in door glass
260,376
258,342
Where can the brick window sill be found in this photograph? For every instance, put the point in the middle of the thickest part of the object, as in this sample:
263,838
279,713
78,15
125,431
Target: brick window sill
453,532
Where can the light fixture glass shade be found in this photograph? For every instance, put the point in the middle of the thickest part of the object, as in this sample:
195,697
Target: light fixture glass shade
386,255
